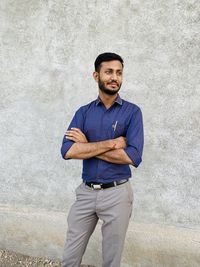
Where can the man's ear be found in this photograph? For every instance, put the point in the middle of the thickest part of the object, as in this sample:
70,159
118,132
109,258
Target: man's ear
96,76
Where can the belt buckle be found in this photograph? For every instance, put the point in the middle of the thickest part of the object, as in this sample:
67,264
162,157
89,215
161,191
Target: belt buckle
96,186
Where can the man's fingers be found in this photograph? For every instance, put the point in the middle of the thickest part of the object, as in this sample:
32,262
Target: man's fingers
72,133
75,133
79,137
69,136
77,130
72,138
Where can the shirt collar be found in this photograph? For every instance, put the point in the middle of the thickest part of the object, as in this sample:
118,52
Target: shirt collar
118,100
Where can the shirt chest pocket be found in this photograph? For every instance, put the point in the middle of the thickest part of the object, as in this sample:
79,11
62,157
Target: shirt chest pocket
119,129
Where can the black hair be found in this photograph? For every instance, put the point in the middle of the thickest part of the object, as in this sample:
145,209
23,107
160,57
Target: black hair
106,57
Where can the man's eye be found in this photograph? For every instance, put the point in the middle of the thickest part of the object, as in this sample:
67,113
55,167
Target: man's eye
108,72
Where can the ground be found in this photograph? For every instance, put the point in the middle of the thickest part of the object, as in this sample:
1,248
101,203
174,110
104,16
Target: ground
12,259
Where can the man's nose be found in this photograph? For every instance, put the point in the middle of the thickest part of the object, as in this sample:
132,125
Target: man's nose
114,76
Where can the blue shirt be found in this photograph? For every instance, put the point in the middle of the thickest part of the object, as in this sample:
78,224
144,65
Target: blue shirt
98,123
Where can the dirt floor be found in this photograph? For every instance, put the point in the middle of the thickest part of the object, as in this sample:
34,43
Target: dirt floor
11,259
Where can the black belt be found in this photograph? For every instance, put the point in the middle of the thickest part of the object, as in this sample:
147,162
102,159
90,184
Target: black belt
98,186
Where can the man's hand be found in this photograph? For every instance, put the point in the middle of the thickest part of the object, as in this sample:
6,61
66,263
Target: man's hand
76,135
120,142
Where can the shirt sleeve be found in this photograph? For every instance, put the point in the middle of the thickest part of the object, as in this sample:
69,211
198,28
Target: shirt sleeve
135,138
76,122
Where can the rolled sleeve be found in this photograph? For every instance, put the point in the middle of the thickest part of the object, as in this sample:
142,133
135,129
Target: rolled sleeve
76,122
135,138
133,155
65,147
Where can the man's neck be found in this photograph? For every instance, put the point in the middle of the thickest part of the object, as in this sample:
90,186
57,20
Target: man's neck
107,100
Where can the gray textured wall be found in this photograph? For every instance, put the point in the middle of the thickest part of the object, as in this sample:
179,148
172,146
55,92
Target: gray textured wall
47,49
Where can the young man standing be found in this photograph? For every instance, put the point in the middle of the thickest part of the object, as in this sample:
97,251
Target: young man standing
107,134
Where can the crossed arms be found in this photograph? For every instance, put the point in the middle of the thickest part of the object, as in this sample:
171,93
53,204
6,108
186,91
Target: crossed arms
111,150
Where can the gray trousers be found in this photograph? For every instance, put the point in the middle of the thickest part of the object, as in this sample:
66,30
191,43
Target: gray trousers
114,207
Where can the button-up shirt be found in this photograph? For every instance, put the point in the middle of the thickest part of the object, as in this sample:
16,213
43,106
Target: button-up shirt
98,124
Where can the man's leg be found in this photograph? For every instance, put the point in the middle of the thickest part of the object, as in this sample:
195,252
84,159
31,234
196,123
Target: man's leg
115,211
82,220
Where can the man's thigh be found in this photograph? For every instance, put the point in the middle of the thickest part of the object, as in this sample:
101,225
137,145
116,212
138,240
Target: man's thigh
115,203
82,213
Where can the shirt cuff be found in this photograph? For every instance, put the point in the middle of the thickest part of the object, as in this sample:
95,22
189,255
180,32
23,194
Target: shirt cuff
65,147
133,155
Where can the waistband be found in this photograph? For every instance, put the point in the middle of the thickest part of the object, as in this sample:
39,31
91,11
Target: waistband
99,186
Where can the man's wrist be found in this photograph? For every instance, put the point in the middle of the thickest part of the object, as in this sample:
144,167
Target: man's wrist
106,144
111,144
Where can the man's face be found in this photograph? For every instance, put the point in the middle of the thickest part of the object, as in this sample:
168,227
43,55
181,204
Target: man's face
109,77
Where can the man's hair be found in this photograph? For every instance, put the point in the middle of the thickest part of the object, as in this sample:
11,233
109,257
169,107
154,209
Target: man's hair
106,57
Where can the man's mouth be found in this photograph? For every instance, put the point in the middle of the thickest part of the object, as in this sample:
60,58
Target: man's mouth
113,85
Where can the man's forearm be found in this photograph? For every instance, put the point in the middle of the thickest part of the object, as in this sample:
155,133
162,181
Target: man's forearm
117,156
89,150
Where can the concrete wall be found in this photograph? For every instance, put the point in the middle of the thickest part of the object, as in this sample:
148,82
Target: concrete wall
47,50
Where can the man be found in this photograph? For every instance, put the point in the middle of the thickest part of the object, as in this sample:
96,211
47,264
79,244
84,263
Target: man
107,134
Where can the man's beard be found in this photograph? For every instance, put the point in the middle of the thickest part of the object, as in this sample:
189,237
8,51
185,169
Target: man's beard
106,90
